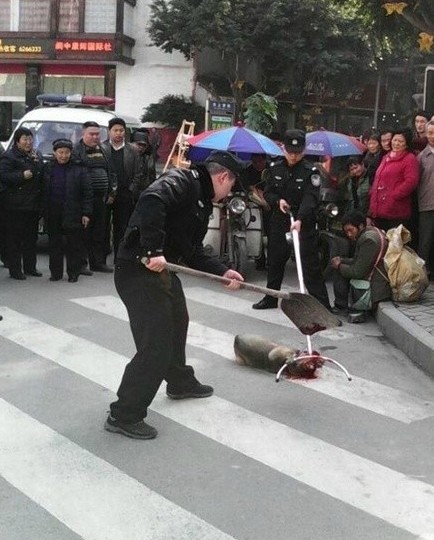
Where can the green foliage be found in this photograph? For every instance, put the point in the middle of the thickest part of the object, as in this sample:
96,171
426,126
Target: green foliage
172,110
297,45
260,113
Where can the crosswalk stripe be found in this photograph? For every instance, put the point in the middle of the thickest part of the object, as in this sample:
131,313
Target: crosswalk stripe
399,500
368,395
91,497
244,307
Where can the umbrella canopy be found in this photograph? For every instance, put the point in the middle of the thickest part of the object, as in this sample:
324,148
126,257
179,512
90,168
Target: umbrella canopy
242,141
330,143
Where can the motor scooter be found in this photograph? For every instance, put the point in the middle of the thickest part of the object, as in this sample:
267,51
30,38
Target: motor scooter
235,232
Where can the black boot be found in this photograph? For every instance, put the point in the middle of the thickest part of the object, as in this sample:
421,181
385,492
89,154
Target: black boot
268,302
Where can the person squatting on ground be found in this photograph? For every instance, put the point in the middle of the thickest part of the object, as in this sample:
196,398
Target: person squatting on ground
293,184
366,264
168,223
126,165
68,209
21,173
103,181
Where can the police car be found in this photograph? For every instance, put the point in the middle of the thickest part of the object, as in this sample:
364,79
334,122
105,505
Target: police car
62,116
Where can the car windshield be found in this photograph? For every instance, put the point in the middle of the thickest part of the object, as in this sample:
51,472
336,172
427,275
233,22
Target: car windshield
45,132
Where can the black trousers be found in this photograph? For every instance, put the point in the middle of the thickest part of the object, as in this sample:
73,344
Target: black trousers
94,234
63,242
159,320
118,217
279,252
21,239
426,239
3,222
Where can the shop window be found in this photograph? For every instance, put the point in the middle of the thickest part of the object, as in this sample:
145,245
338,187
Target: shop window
100,16
25,15
12,86
69,15
61,84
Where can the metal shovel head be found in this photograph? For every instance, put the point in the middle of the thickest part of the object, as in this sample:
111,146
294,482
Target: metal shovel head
308,314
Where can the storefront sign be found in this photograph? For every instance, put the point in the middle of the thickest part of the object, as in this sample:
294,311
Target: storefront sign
84,46
15,48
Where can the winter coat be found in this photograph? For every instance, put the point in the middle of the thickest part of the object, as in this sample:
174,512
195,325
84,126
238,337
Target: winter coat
132,166
396,179
368,246
19,193
78,196
171,219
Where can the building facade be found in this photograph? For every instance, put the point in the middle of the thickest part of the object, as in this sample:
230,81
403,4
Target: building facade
93,47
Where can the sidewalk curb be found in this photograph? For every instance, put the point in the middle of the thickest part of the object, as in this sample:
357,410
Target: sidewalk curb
410,338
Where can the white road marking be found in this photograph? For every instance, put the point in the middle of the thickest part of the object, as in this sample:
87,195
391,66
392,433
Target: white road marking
93,498
368,395
244,307
399,500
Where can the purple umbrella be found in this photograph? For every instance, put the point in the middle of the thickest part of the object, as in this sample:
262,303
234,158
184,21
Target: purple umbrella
330,143
242,141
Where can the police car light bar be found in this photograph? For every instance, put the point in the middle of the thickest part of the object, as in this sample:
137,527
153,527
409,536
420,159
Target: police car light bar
57,99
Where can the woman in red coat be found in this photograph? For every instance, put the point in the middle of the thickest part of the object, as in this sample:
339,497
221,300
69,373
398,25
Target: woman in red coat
395,180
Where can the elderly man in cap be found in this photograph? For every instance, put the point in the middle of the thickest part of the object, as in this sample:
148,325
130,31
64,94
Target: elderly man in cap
169,223
68,209
293,185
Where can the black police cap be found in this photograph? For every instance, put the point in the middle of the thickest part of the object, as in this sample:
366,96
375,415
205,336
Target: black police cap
294,140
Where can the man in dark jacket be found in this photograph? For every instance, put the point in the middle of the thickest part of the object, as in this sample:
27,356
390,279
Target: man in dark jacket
148,174
125,163
366,264
68,210
103,179
169,223
293,184
21,173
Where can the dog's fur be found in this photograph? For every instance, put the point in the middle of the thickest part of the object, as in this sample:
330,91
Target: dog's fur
258,352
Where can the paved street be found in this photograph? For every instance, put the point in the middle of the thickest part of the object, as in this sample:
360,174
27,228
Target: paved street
299,460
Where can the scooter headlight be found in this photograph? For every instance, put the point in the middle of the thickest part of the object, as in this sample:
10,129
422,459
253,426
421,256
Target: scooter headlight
237,205
332,210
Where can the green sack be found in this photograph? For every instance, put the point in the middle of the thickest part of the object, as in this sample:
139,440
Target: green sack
360,294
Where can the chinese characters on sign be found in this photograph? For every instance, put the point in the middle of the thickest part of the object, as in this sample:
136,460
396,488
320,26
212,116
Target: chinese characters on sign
86,46
19,47
221,113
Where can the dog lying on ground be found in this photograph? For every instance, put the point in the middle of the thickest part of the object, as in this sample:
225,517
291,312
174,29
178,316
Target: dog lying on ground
260,353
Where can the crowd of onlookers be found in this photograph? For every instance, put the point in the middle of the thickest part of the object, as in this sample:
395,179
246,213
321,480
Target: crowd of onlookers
393,182
82,198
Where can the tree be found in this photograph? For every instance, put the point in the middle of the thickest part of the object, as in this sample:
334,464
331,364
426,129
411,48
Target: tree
261,112
295,43
172,110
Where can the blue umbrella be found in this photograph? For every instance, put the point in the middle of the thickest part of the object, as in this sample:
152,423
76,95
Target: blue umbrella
242,141
330,143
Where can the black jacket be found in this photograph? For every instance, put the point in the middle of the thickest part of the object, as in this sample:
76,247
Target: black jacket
79,154
78,197
21,194
299,186
132,166
171,219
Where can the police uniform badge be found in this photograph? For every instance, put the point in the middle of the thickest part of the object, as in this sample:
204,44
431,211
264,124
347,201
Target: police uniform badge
316,180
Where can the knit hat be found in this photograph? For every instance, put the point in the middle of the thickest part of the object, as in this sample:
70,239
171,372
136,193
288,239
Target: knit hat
62,143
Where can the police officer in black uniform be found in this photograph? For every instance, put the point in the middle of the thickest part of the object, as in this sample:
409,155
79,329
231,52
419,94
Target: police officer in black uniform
293,185
168,223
